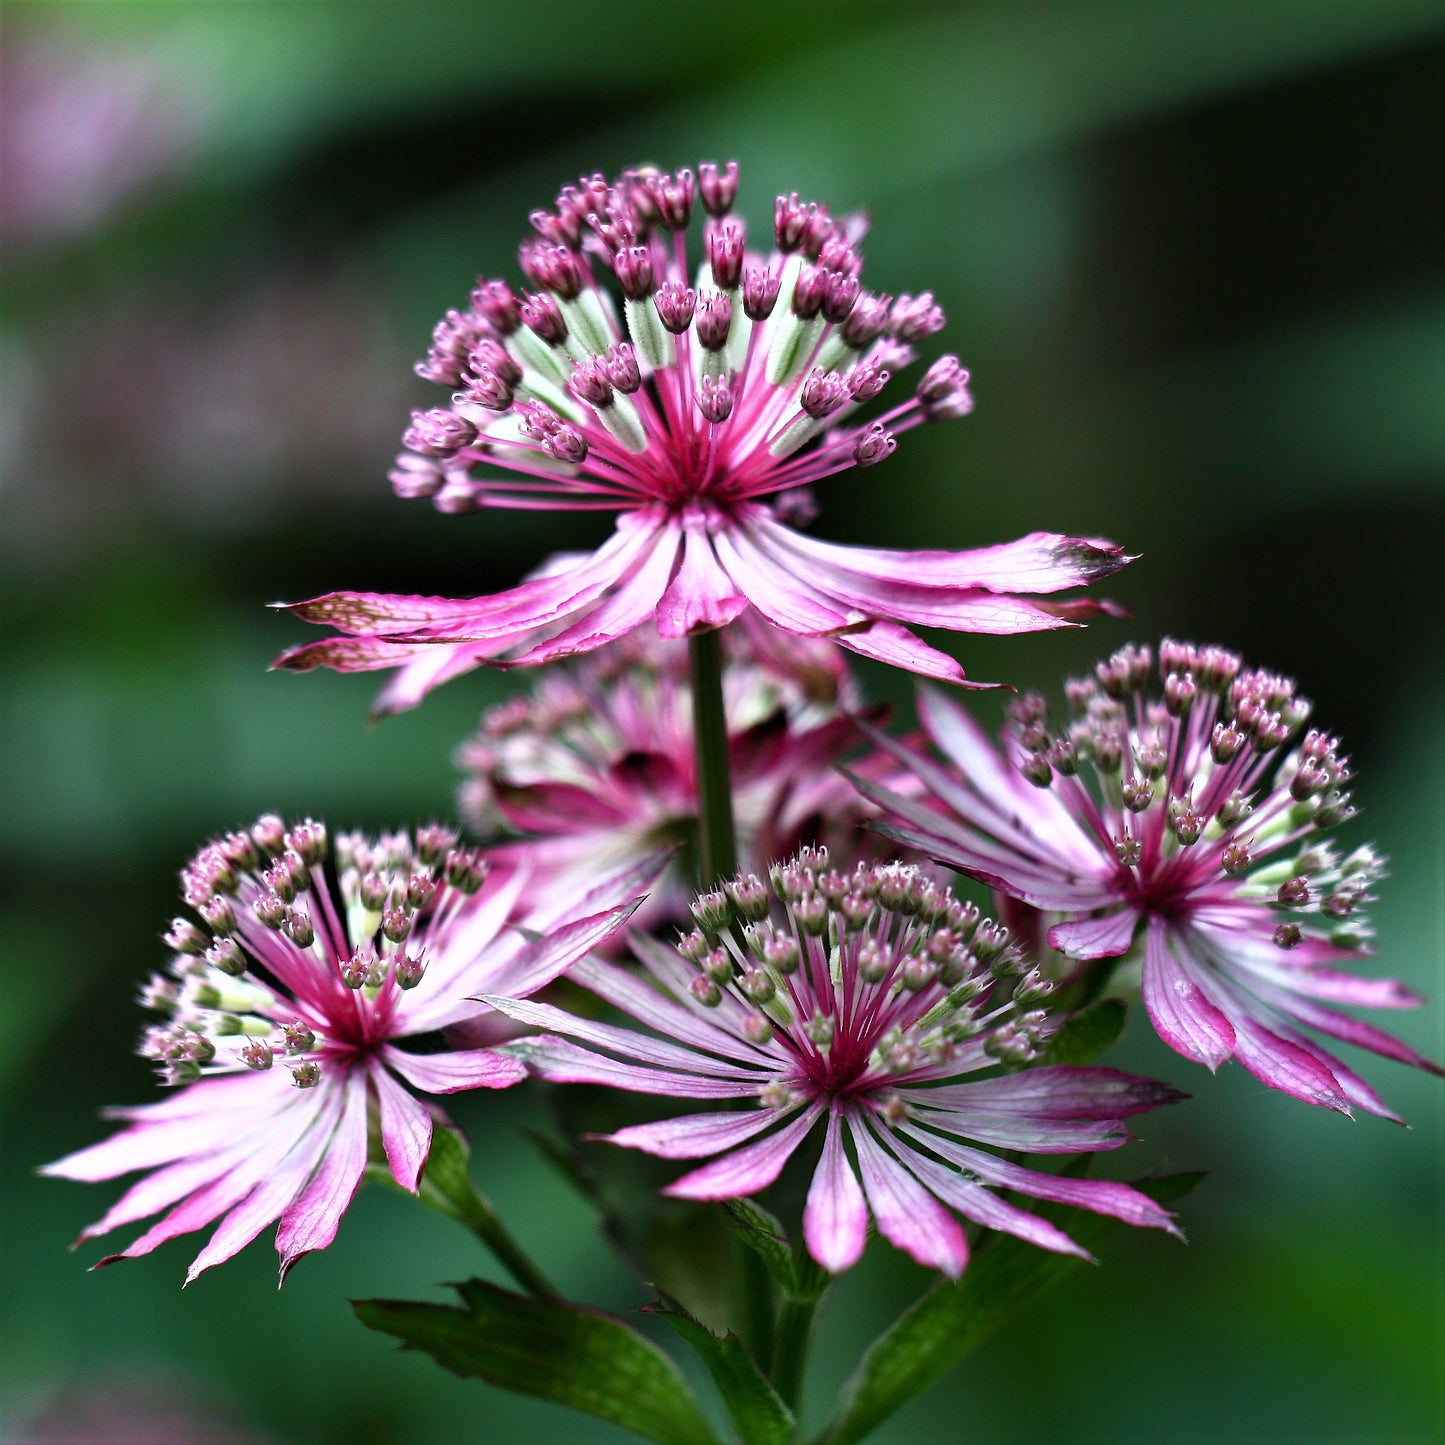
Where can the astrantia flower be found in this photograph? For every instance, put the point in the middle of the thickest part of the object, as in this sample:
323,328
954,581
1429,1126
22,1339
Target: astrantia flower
697,413
284,1011
597,765
1187,827
874,1006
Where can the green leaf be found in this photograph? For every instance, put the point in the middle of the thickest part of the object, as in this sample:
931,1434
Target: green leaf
1088,1033
756,1407
591,1361
799,1277
952,1319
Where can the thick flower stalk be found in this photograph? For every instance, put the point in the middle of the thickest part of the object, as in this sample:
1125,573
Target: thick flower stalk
284,1009
871,1006
597,765
700,411
1184,828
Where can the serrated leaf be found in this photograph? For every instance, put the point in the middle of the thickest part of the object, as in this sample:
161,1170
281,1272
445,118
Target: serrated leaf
1086,1035
765,1236
757,1409
553,1350
951,1320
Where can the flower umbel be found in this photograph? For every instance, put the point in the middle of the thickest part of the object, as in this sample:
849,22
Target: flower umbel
871,1002
700,412
1186,823
283,1010
598,763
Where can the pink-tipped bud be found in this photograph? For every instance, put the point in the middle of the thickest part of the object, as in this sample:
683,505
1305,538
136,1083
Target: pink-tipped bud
915,317
543,317
675,305
809,291
557,268
258,1055
185,937
590,382
866,381
840,295
632,266
408,971
725,244
944,391
874,445
867,321
715,399
415,478
438,433
673,195
717,189
714,319
484,388
622,369
760,292
497,304
822,393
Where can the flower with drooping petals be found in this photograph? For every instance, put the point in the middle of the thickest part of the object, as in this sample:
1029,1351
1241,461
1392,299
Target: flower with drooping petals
872,1003
597,766
285,1008
697,413
1186,827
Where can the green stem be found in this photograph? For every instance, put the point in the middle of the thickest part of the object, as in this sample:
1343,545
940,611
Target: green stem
465,1203
718,842
790,1348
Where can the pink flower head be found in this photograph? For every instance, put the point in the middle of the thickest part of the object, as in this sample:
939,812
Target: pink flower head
1185,828
872,1003
597,764
283,1013
698,412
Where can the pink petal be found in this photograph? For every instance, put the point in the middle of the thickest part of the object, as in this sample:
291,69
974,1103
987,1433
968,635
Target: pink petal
694,1136
896,646
701,595
564,1063
1039,562
163,1187
406,1128
1031,1136
749,1169
1105,937
1057,1091
1177,1007
773,590
835,1220
312,1219
1100,1195
431,665
449,1073
908,1216
261,1207
628,992
1285,1066
986,1208
1352,1031
243,1173
553,955
628,1042
181,1126
631,602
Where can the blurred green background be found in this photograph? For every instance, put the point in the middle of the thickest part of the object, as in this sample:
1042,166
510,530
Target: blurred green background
1192,254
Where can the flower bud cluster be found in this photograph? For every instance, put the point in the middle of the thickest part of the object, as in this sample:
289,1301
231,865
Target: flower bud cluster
1202,767
863,978
281,933
596,762
624,372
